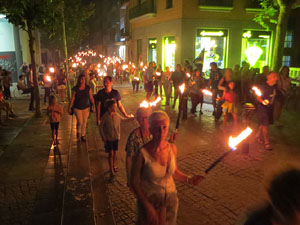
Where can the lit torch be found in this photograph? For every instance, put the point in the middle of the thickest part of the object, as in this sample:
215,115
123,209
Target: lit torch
48,78
188,75
232,143
259,94
157,100
51,70
206,92
158,73
181,88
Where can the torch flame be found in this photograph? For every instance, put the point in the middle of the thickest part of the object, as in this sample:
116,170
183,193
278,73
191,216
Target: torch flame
188,75
136,78
181,88
234,141
207,92
144,104
157,100
158,73
125,67
257,91
48,78
51,69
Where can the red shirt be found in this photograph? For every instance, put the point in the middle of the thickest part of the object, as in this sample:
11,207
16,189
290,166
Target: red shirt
229,96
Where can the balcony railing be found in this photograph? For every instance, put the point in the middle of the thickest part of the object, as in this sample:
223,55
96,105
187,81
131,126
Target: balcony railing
147,7
222,4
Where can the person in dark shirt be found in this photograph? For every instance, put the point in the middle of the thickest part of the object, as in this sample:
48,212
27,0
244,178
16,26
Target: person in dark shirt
108,93
215,77
178,78
265,109
283,207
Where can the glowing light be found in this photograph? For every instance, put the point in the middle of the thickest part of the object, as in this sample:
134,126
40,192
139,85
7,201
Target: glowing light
247,34
136,78
207,92
48,78
141,64
157,100
158,73
144,104
188,75
264,36
257,91
181,88
210,33
51,70
253,53
234,141
124,67
74,65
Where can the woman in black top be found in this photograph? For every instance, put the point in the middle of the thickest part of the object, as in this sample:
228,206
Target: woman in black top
80,103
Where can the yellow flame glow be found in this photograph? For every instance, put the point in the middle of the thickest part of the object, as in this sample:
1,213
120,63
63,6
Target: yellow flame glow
207,92
256,90
234,141
181,88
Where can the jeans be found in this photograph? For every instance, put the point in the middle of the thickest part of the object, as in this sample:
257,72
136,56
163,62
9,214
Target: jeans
81,117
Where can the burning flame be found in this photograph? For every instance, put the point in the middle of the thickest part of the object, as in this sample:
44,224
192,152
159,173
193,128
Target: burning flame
124,67
207,92
257,91
181,88
141,64
158,73
146,104
136,78
51,70
74,65
48,78
188,75
234,141
157,100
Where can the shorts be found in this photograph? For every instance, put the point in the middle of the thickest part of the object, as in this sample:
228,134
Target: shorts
229,107
265,114
54,126
149,86
111,146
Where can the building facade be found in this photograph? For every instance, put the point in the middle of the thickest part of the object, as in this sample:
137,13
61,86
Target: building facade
14,48
172,31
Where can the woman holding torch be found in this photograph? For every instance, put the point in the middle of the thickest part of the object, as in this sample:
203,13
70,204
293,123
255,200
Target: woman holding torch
153,173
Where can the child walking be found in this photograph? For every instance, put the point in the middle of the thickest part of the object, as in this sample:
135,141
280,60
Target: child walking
110,133
54,112
229,105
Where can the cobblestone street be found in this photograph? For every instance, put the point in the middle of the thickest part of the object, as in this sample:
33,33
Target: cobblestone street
70,185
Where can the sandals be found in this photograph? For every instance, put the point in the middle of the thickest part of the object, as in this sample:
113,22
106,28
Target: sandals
268,147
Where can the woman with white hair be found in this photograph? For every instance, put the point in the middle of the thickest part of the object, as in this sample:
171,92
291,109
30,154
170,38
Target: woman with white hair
137,138
154,170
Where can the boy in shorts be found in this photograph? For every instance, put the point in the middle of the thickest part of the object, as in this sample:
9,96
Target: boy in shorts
110,133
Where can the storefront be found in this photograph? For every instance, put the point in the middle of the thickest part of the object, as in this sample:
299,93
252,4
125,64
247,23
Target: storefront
168,52
214,44
256,48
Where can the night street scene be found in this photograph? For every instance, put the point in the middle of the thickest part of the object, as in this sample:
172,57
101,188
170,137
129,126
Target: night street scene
149,112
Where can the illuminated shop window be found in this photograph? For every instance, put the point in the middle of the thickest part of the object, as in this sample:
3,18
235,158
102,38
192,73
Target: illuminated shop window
214,44
286,60
256,48
288,39
168,52
152,50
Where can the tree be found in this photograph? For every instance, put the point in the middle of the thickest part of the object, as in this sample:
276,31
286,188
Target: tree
271,9
29,15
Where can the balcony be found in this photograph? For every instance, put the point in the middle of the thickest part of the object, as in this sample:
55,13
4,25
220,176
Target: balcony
215,5
145,9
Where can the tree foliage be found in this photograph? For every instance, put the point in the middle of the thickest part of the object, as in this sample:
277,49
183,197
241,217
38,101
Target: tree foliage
75,18
268,15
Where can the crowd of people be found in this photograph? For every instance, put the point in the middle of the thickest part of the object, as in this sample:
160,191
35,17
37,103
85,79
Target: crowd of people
150,158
